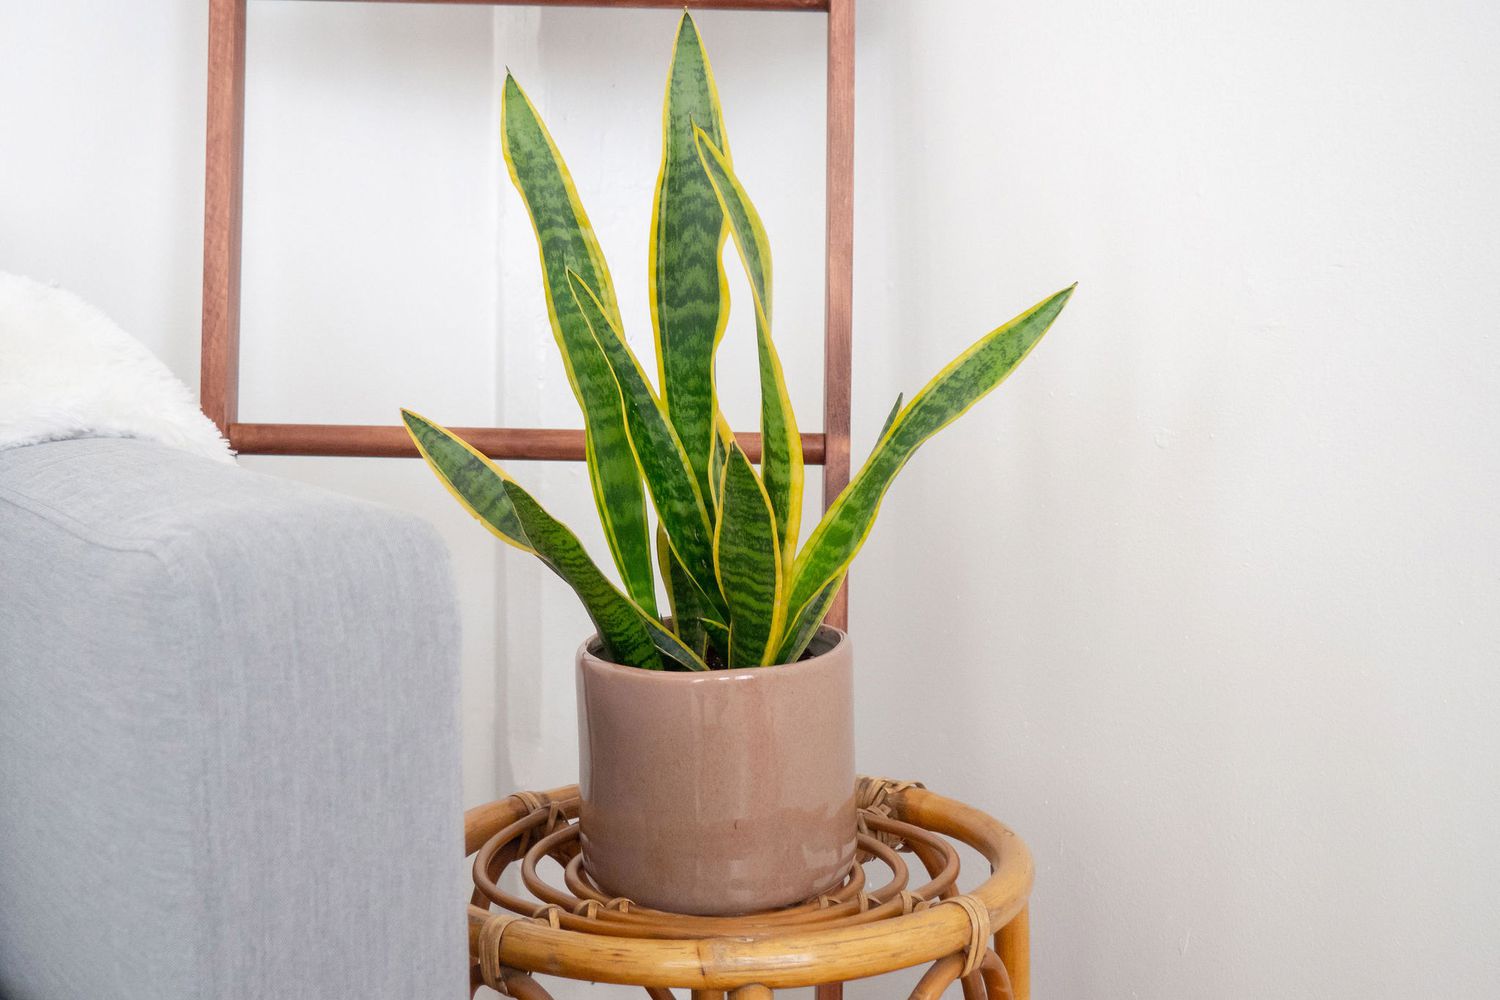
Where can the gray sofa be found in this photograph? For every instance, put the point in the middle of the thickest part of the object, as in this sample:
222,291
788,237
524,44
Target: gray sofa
229,749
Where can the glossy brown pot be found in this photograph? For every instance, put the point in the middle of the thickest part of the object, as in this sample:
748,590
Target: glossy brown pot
724,792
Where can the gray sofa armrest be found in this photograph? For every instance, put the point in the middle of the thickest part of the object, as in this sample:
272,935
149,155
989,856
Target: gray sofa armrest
229,747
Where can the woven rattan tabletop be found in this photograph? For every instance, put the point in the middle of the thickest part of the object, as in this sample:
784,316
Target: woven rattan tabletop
886,915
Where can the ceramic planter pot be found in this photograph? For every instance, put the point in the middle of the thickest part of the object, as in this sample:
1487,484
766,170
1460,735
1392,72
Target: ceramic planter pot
720,793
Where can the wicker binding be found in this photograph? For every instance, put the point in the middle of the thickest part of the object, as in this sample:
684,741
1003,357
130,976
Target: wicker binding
870,924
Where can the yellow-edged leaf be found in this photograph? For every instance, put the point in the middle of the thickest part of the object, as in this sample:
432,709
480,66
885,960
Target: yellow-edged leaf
748,562
838,537
689,294
781,444
566,240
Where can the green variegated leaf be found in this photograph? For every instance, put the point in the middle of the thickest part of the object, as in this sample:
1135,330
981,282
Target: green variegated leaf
890,418
566,240
485,490
679,656
682,597
716,461
621,622
800,630
688,292
718,637
611,611
657,450
748,560
781,444
475,482
957,387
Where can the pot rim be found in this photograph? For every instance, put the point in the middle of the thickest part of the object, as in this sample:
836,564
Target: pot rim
839,637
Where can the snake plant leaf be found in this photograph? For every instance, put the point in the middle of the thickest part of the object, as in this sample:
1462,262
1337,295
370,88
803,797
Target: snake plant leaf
566,239
690,609
781,444
687,621
612,612
748,558
657,449
620,621
679,655
890,418
722,438
475,482
689,293
718,636
960,385
800,630
487,492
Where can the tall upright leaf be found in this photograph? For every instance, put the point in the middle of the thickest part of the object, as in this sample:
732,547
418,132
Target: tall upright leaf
688,292
689,607
722,437
718,636
802,625
890,418
838,537
781,444
566,240
801,628
749,562
655,445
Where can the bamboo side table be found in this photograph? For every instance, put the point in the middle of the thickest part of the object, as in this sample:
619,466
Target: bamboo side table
867,926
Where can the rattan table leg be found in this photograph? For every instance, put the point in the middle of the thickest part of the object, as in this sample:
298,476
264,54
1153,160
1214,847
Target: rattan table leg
831,991
939,976
754,991
996,981
1013,945
521,986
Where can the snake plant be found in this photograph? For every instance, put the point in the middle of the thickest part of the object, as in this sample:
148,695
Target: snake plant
740,592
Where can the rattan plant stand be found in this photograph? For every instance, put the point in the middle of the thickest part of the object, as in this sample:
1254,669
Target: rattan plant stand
879,920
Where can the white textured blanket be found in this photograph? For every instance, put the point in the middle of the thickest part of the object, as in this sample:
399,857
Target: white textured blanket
67,371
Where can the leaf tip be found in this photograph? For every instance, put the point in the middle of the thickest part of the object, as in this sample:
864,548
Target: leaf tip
584,293
1060,300
687,30
512,96
415,424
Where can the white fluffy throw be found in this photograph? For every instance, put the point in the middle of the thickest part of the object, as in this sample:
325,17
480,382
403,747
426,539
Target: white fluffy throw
67,371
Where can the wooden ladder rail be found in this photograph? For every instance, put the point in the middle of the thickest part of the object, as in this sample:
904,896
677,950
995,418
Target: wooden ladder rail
223,211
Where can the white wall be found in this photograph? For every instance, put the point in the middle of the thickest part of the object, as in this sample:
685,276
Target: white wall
1203,602
1217,576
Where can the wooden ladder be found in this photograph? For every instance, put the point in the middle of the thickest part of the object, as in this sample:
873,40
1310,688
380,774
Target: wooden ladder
224,186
